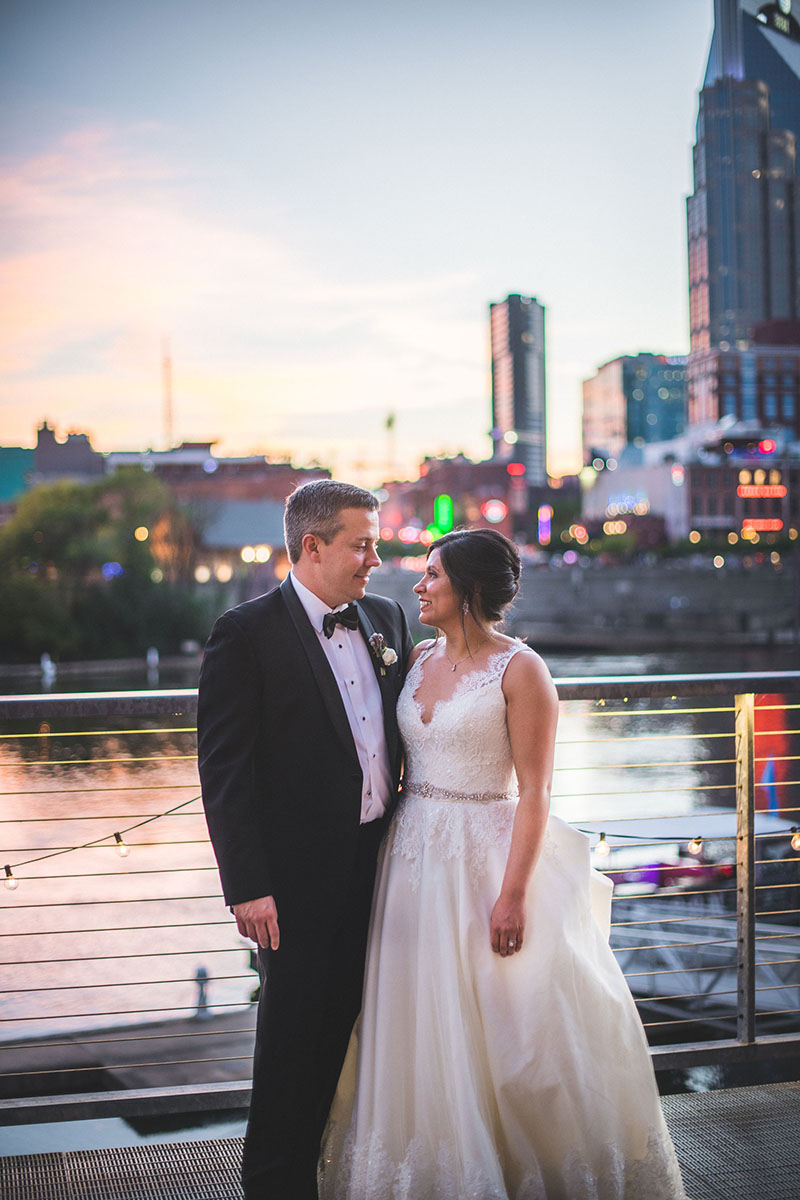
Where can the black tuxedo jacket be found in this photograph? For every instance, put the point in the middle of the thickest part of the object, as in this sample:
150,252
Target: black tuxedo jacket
279,770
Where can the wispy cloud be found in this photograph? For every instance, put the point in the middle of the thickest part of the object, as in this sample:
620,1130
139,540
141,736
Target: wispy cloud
109,250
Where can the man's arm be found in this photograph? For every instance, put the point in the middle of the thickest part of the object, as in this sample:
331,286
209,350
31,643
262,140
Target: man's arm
407,641
229,716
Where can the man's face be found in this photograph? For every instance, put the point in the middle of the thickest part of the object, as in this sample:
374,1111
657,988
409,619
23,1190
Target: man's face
344,565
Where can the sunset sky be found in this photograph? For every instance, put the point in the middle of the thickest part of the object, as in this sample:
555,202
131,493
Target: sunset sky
316,202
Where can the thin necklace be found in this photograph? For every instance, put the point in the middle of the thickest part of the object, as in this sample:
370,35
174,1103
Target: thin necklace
459,661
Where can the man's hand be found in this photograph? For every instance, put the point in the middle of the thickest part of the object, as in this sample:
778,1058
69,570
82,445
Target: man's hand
258,921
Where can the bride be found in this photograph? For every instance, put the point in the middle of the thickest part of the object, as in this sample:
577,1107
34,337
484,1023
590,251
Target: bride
499,1054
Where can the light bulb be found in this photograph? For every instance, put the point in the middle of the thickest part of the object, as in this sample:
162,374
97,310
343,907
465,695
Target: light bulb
602,848
695,845
123,849
11,883
795,838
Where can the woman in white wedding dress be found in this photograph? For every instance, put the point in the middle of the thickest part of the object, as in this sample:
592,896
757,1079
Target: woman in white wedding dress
499,1054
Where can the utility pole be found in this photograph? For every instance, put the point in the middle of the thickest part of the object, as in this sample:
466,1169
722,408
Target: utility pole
166,375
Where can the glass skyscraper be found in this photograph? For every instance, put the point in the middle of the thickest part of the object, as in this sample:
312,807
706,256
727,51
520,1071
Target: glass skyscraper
518,384
744,215
633,400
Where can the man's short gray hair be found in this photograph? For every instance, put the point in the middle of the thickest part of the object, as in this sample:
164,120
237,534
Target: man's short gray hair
316,507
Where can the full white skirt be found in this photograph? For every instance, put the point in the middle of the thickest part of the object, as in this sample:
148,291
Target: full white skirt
470,1075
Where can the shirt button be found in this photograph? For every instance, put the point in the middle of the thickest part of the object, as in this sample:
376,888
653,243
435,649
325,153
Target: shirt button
363,718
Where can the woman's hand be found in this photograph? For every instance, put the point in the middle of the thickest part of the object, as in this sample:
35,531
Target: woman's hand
508,926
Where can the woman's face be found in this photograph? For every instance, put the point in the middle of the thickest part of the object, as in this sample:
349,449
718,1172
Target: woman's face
438,603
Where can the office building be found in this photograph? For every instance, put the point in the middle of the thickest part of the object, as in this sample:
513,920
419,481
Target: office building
518,385
760,384
744,213
633,400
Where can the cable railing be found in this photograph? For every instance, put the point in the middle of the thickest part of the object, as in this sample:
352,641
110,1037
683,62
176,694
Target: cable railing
128,988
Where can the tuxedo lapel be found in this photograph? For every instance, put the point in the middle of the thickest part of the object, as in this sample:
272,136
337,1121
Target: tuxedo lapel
320,667
388,695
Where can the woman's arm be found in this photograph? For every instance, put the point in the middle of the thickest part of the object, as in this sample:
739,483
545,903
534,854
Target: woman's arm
532,715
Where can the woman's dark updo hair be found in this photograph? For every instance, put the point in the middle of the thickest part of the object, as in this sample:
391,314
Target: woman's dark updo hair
483,567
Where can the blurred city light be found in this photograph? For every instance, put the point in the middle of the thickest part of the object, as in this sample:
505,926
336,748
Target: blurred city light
544,526
248,554
443,512
141,533
494,511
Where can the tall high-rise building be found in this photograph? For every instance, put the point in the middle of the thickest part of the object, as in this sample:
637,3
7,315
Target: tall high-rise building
744,214
518,384
632,400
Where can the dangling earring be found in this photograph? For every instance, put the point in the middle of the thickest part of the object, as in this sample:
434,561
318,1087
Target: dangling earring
465,608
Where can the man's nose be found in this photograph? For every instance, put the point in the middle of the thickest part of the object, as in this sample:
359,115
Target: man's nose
374,560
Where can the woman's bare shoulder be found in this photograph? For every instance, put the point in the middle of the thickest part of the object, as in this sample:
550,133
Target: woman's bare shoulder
527,676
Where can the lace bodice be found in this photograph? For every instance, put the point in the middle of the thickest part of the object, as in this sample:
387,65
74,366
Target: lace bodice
464,748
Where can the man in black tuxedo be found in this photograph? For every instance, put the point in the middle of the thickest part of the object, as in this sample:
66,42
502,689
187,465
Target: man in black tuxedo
299,760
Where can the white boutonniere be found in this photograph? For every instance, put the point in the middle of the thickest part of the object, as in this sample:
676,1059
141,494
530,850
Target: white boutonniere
384,654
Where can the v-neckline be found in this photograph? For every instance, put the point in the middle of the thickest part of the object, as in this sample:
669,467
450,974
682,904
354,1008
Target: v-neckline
419,707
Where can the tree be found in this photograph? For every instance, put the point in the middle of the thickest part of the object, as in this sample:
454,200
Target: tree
85,577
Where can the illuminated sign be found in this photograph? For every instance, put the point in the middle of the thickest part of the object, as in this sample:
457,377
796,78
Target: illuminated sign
762,524
763,491
443,513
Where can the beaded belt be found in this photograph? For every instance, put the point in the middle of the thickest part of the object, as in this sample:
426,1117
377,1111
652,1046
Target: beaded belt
429,792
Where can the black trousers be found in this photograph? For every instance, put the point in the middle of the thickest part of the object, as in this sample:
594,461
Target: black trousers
310,998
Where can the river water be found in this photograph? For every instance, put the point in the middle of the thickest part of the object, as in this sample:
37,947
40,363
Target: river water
92,940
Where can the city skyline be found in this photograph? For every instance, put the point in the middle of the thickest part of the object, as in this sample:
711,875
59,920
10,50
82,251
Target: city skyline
318,207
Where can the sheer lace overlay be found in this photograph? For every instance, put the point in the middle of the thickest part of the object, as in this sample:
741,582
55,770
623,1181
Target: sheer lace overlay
430,1173
471,1077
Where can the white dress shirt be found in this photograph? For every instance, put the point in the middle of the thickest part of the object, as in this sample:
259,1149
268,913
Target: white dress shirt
349,657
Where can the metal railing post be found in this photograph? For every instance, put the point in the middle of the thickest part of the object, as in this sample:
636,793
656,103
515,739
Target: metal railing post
745,868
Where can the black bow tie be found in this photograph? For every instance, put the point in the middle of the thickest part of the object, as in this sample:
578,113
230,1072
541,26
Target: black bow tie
347,617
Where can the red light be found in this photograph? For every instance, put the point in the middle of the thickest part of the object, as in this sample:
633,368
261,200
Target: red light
762,491
767,446
516,468
763,524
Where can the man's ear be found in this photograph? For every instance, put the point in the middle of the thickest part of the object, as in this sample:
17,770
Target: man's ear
310,544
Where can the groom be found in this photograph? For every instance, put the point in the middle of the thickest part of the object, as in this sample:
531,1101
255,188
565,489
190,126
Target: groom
299,759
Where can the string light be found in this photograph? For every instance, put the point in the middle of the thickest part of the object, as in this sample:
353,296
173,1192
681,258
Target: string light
123,849
602,848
